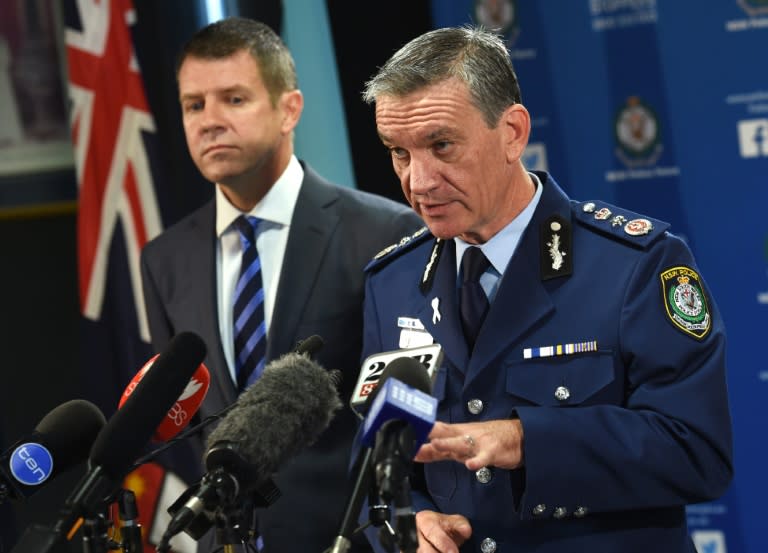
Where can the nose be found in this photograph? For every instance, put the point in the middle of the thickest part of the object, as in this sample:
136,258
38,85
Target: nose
421,175
212,118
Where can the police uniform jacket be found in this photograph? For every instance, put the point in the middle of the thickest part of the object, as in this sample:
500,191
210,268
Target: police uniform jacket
604,341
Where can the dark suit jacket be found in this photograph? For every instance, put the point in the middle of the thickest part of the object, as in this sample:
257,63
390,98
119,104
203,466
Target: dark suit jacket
335,231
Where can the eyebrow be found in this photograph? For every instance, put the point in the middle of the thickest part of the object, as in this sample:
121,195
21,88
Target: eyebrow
228,90
437,134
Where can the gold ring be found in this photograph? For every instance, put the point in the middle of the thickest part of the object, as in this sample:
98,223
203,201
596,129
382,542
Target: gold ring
469,440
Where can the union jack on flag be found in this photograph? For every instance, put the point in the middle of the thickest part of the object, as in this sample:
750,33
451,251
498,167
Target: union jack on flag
109,116
113,133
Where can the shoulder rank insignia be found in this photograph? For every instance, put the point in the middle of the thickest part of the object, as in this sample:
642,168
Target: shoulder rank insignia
625,225
402,245
555,248
685,301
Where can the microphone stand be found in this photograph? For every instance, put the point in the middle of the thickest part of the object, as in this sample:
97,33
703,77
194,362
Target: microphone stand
130,530
95,537
235,525
342,543
407,534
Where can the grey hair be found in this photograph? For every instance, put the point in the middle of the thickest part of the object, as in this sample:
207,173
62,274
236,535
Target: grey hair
475,56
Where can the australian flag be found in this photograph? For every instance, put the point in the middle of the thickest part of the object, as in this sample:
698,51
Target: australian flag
114,137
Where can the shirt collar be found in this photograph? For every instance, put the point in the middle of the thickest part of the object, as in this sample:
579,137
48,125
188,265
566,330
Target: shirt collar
500,248
276,206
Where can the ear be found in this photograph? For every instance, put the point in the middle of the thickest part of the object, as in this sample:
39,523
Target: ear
291,105
515,125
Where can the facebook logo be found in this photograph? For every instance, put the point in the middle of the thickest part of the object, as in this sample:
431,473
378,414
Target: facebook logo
535,157
709,541
753,138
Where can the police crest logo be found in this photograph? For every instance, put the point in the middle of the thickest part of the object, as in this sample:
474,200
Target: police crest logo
685,301
754,7
498,15
637,134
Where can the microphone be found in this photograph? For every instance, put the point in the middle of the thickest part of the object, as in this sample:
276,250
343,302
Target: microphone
403,370
61,440
186,405
371,372
309,346
399,421
121,440
283,412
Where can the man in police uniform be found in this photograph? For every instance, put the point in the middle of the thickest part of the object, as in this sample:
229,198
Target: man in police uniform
591,405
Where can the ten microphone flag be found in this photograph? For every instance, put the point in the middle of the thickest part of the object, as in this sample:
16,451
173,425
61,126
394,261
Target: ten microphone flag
116,154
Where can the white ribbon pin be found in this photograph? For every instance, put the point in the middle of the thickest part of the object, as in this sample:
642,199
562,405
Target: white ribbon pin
435,312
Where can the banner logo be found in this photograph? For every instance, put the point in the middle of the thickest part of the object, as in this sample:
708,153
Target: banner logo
709,541
762,297
498,15
753,138
636,129
754,7
535,157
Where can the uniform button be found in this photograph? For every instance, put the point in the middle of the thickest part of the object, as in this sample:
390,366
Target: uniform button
539,509
560,512
475,406
484,475
488,545
562,393
580,512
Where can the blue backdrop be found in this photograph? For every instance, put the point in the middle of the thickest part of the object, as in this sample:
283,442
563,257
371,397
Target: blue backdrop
662,107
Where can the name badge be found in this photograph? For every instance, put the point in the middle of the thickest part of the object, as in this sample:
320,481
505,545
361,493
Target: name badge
409,322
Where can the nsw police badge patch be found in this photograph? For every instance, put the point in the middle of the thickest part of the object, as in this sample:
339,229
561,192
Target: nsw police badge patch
685,301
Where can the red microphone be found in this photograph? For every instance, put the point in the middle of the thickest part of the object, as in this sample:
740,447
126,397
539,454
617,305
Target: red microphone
186,405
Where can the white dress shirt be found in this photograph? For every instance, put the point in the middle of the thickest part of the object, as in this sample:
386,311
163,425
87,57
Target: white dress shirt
275,211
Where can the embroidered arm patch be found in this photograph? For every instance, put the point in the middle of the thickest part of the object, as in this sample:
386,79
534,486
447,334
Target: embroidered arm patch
685,301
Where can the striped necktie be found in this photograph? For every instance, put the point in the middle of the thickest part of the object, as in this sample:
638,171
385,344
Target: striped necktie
248,308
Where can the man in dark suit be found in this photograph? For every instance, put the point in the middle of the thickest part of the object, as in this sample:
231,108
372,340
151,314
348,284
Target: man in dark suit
240,105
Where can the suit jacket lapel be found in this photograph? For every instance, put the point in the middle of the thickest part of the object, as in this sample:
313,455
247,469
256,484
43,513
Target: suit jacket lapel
311,228
522,299
446,330
203,288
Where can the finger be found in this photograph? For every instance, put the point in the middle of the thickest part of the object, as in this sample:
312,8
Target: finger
458,447
441,430
460,530
427,454
425,546
478,461
433,537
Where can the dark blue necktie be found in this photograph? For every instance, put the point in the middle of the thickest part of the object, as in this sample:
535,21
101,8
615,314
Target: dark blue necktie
473,303
248,309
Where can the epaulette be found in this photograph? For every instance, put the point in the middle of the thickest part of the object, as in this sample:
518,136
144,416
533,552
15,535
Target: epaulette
393,250
629,227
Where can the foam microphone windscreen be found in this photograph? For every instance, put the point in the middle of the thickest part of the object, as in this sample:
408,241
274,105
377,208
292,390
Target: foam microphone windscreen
283,412
70,430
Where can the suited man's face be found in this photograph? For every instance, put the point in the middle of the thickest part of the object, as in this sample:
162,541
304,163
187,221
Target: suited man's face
236,135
